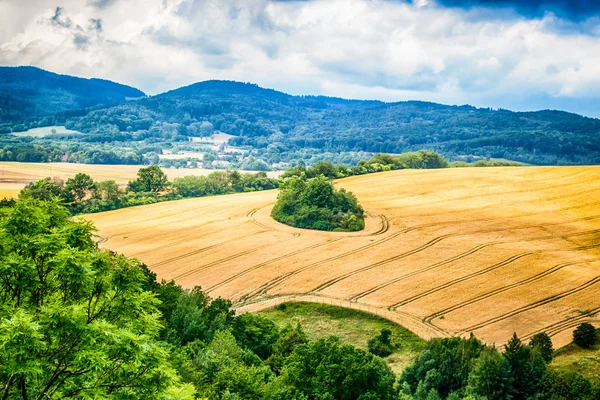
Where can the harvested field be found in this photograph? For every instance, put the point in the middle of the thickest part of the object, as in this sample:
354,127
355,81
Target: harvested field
445,252
15,175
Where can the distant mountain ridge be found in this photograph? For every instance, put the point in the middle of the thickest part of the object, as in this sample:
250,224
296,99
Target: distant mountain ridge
34,92
288,126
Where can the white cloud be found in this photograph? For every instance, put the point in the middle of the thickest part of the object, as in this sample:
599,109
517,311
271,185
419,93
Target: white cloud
390,50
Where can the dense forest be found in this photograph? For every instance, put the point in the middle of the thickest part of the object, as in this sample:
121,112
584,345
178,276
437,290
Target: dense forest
32,92
80,322
277,127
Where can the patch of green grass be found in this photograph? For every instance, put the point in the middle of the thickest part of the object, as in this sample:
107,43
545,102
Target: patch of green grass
573,358
351,326
46,131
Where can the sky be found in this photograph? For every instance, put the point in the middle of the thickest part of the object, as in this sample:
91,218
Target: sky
519,55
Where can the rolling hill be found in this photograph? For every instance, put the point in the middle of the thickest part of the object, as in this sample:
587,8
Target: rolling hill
27,92
445,252
280,123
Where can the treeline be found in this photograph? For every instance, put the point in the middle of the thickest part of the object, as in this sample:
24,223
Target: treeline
422,159
80,322
315,204
458,368
66,149
81,194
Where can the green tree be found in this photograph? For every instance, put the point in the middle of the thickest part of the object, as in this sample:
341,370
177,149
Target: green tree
44,189
150,179
74,320
326,369
256,333
527,367
585,336
80,186
381,345
197,317
223,369
108,191
491,376
542,343
451,357
289,338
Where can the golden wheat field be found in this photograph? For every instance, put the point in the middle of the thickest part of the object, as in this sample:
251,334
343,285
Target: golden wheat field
445,252
15,175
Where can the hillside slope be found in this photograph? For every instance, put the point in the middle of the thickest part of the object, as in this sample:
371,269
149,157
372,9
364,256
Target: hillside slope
278,122
445,252
32,92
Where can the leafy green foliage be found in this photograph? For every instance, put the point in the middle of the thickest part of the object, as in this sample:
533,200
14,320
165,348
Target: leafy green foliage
444,365
585,336
83,195
543,344
315,204
326,369
255,333
149,180
289,338
74,320
223,369
381,345
490,376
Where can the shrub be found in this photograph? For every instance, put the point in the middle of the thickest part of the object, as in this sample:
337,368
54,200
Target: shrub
585,335
381,345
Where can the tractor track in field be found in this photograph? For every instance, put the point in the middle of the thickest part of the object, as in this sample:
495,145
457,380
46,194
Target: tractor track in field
484,296
374,289
453,282
482,272
567,323
256,266
532,306
475,249
278,280
200,250
377,264
229,258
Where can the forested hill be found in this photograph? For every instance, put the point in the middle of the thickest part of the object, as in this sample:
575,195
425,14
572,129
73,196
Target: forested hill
285,125
33,92
264,118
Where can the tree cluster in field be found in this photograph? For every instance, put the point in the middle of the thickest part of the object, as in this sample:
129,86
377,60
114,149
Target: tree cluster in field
314,203
82,194
458,368
80,322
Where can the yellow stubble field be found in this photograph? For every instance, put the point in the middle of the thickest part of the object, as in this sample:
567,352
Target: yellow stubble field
445,252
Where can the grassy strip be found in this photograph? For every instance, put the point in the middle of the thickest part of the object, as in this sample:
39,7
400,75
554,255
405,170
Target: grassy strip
351,326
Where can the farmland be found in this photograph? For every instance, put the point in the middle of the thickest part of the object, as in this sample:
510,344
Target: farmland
14,175
444,252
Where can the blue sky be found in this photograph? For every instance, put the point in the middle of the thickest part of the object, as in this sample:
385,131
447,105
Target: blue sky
522,55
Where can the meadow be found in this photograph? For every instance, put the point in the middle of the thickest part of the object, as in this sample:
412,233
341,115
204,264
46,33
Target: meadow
445,252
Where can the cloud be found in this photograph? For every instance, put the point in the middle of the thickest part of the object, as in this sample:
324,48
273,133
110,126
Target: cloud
456,52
